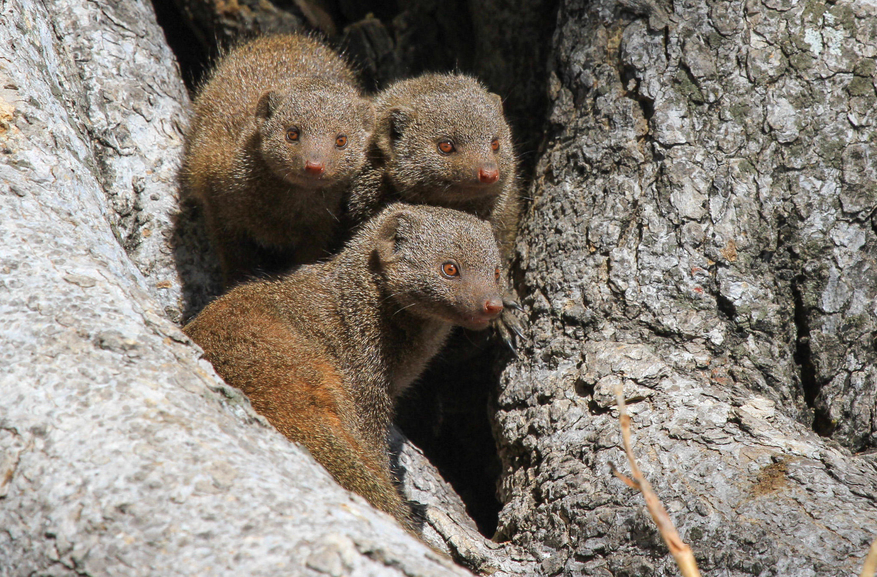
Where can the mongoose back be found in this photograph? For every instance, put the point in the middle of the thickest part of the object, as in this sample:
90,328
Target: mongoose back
278,131
441,139
324,352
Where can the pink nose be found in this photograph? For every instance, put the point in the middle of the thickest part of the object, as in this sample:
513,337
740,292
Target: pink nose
492,307
314,168
488,175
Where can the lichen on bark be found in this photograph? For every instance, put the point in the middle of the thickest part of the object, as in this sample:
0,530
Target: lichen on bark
700,233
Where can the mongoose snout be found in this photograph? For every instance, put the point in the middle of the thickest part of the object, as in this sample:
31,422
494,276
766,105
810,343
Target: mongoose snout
476,172
491,307
314,167
488,175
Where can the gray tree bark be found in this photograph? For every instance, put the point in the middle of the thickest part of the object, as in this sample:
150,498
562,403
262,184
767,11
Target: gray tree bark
121,451
218,25
701,234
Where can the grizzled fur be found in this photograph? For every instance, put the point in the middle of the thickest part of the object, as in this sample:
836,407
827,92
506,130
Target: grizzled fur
406,163
324,352
271,201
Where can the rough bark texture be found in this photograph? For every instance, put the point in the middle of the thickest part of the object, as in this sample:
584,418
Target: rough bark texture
701,231
701,234
121,452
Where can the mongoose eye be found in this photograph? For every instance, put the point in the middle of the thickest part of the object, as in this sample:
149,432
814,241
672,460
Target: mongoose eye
494,144
446,146
496,273
450,270
341,141
292,134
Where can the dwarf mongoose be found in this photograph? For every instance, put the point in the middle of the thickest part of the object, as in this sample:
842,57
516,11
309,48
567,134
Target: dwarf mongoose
278,131
441,139
324,352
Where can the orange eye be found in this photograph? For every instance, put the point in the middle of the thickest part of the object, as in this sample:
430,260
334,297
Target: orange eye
341,141
494,144
496,273
292,134
450,270
446,146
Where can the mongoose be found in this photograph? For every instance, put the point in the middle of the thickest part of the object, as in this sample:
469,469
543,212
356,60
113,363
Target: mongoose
441,139
324,352
278,131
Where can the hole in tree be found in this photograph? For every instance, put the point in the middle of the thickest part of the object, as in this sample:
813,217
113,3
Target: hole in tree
803,356
182,41
726,306
631,83
446,413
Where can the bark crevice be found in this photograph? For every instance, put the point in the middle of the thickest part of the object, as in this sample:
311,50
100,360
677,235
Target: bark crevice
805,362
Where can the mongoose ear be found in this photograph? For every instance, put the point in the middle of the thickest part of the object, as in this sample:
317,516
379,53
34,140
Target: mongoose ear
267,105
390,128
385,248
394,231
399,118
497,100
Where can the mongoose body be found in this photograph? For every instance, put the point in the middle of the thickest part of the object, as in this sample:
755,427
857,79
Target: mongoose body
324,352
442,140
278,131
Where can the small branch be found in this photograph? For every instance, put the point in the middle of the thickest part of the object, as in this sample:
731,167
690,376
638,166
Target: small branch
680,550
870,566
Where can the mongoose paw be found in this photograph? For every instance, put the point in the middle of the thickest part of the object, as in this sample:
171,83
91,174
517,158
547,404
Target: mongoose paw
509,302
508,326
506,337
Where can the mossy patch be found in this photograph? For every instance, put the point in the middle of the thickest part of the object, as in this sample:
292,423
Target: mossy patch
687,87
860,86
865,67
801,61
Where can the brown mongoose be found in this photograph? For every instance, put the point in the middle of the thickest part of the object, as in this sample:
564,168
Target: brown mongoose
441,139
278,131
324,352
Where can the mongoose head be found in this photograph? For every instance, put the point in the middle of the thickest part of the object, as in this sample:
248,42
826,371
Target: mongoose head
316,134
443,139
439,263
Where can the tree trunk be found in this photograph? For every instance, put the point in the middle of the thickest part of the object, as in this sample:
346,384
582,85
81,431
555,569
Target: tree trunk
701,234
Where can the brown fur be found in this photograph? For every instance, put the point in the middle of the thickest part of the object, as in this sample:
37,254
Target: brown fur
265,209
324,352
412,117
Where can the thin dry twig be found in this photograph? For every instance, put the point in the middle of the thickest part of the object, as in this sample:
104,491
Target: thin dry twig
870,566
680,550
